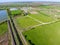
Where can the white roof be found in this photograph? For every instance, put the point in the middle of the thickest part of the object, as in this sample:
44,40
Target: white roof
13,9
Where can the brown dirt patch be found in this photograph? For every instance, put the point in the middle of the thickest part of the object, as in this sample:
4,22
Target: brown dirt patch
34,12
4,39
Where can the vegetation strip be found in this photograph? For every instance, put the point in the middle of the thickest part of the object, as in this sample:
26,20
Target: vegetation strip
3,26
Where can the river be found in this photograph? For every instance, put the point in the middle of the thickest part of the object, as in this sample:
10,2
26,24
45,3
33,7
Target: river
3,15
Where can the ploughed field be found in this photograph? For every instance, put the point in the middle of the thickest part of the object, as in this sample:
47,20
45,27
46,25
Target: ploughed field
3,28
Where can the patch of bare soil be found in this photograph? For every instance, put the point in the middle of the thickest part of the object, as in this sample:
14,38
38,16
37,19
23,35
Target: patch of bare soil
34,12
58,10
4,39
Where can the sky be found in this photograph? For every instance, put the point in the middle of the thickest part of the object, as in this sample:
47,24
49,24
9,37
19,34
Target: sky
27,0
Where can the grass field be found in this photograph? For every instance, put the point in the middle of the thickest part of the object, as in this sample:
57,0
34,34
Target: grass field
25,22
44,35
46,6
3,28
42,17
15,12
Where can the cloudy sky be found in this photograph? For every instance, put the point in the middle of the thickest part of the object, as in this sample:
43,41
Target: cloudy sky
27,0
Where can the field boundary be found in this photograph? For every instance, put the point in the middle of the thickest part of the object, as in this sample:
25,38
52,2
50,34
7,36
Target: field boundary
35,19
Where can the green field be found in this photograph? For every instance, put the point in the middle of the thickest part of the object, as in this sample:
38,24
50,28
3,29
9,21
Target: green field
42,17
3,28
44,35
48,34
25,22
46,6
15,12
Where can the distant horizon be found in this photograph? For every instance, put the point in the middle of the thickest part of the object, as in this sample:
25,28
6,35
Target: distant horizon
28,1
3,1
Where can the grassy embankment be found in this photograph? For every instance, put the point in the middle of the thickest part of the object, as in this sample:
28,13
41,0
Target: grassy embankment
3,28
